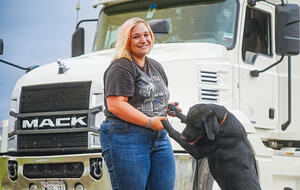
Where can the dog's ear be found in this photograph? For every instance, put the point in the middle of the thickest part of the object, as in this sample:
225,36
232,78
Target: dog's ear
211,126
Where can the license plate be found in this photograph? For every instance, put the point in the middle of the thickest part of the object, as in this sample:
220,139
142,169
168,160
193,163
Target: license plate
53,185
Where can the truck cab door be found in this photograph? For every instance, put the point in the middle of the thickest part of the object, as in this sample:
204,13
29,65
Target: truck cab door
258,95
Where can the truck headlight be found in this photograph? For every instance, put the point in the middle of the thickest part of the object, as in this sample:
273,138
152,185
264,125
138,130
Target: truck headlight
11,124
12,144
94,141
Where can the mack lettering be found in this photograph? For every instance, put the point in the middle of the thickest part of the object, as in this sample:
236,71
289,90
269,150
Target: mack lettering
31,123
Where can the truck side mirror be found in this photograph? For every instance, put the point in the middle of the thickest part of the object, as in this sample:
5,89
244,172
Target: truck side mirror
1,46
287,29
159,26
78,42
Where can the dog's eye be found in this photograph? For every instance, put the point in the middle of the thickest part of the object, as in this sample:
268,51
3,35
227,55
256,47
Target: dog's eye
188,122
192,125
198,123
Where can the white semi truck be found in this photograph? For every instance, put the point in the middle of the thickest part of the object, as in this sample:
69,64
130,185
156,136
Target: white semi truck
241,54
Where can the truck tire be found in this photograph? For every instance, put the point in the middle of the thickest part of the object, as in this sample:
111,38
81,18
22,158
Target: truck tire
202,178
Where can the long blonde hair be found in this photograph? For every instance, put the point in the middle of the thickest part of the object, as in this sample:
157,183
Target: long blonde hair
123,41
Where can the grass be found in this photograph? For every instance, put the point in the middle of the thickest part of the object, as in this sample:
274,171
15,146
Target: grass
3,169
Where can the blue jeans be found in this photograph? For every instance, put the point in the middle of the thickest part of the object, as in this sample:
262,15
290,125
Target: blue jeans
137,158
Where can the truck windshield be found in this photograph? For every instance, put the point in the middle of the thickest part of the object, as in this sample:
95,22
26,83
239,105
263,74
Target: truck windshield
210,21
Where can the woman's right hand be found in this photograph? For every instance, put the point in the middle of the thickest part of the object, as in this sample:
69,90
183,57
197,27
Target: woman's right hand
156,124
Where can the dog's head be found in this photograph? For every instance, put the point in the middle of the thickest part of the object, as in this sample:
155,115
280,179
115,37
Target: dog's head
201,122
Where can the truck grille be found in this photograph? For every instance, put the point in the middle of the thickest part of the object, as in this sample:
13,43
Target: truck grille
55,97
52,141
54,170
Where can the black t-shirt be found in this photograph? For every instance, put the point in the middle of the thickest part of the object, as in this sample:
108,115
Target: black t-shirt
146,88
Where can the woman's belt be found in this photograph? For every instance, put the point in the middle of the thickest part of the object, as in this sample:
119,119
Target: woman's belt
112,119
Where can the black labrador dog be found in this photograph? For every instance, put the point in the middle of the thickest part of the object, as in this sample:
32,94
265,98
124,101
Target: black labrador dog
212,131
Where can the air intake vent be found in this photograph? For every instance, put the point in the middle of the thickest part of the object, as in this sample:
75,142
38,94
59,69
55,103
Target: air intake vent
55,97
54,170
209,77
208,95
53,141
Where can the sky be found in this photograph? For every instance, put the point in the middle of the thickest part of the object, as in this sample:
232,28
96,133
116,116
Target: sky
38,32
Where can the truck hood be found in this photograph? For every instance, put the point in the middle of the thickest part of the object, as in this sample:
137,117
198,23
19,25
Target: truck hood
91,66
181,61
187,51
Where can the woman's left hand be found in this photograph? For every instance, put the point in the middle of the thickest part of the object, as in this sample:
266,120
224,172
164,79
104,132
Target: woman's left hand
172,113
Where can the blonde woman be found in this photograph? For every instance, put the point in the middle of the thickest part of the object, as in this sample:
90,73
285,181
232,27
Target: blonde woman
135,146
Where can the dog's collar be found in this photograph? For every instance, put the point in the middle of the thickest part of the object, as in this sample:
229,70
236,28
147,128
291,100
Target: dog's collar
223,120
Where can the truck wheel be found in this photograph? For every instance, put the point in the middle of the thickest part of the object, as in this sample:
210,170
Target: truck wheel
202,178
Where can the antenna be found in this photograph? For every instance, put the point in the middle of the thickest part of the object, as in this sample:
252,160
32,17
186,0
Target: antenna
77,9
